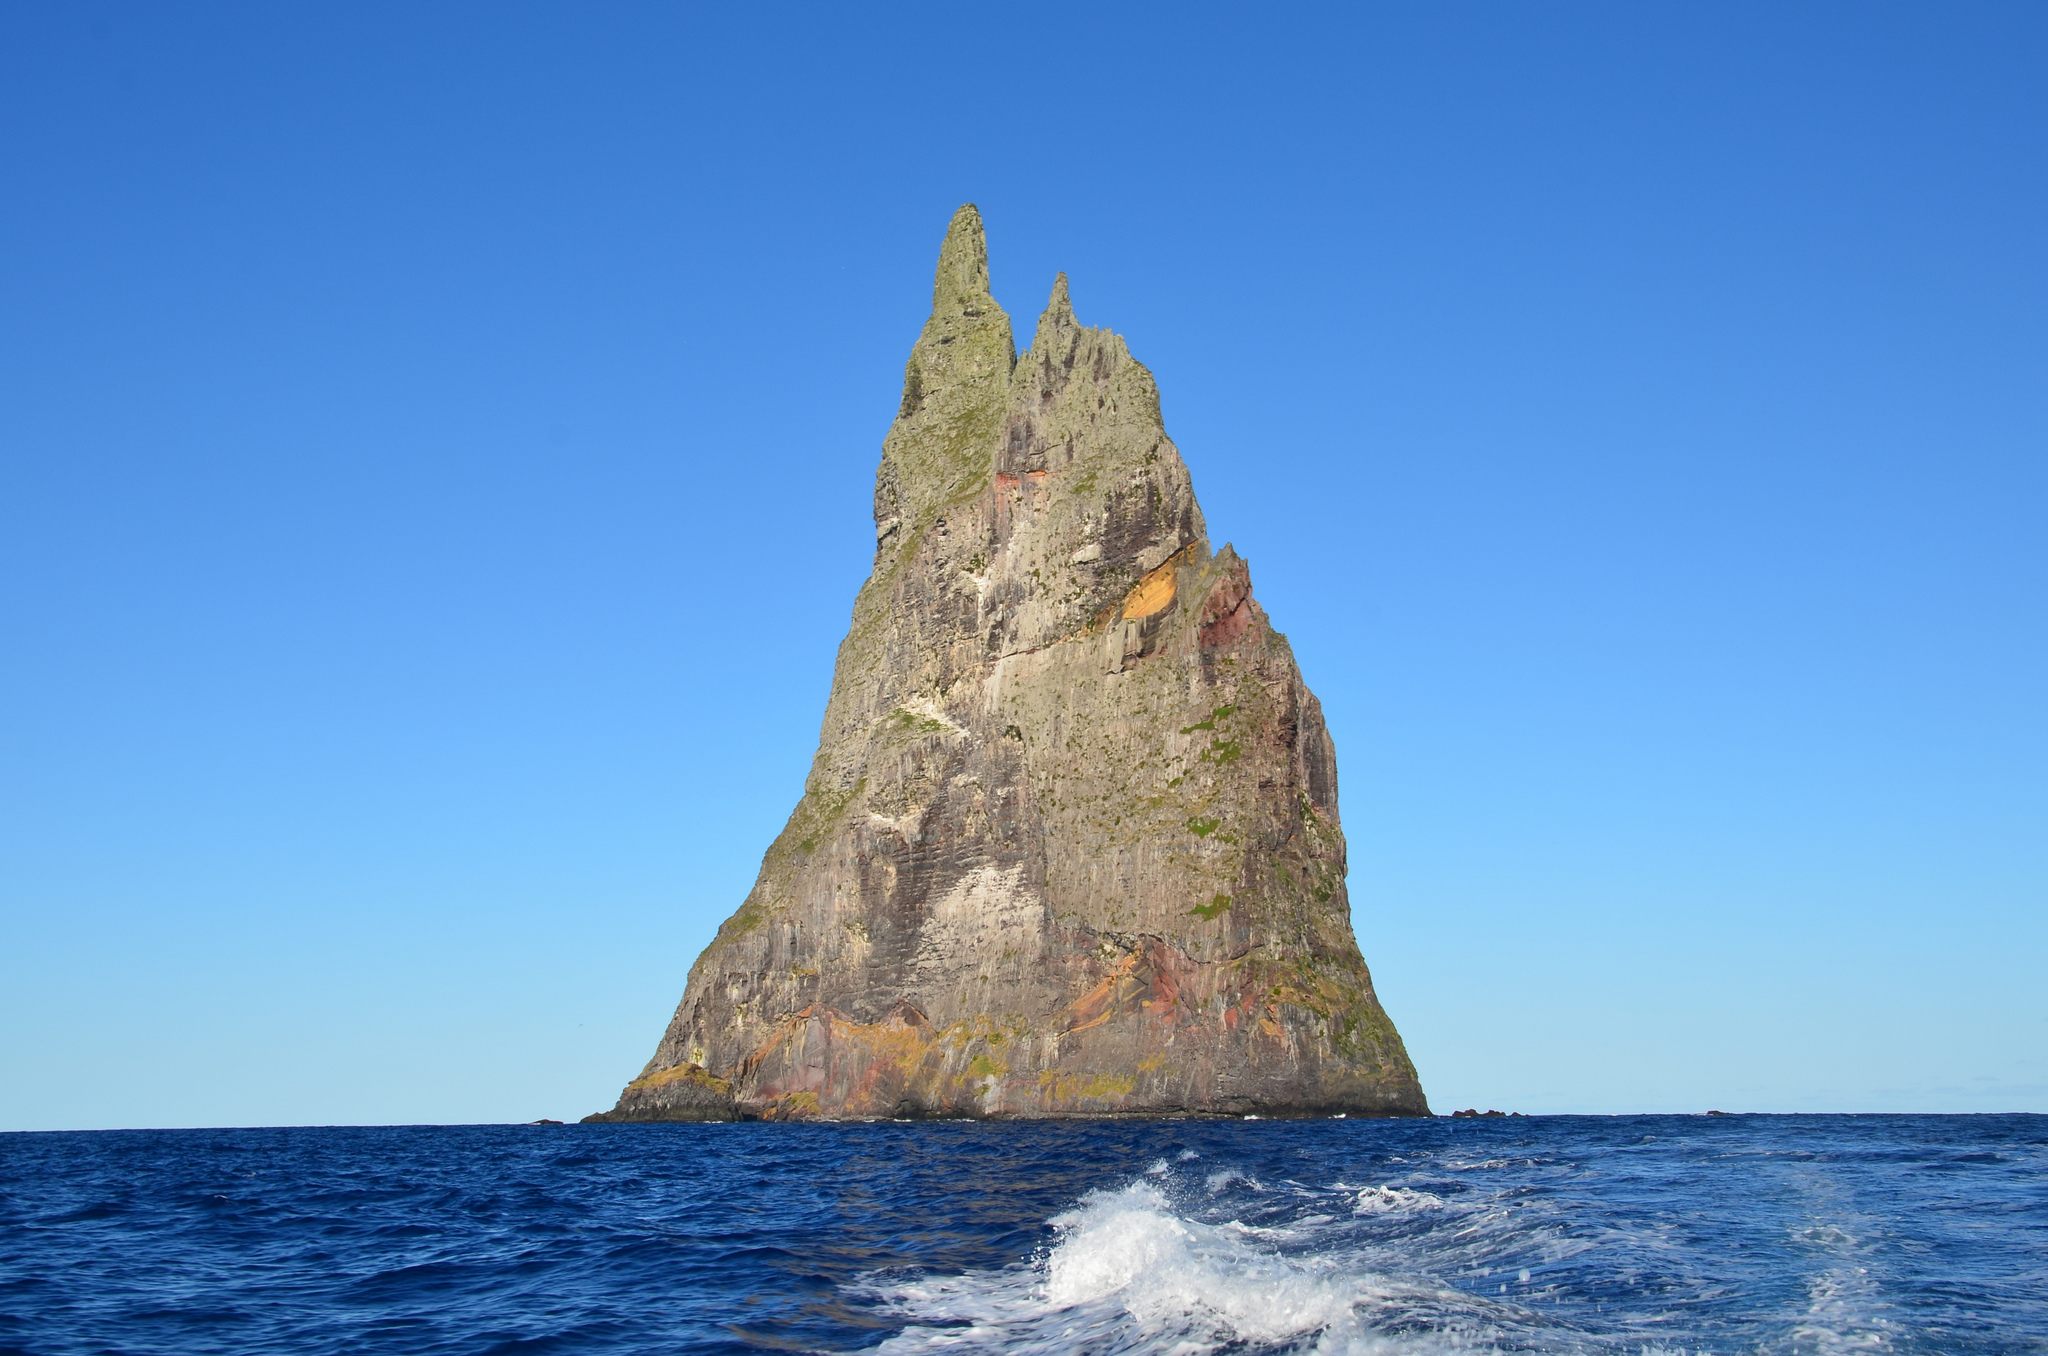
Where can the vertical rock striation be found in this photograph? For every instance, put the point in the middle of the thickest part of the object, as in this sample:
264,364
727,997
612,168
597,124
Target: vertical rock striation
1070,844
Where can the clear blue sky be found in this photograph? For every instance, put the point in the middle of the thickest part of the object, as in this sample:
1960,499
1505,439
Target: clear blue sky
438,442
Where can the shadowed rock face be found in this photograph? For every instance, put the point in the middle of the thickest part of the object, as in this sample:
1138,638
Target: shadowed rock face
1070,842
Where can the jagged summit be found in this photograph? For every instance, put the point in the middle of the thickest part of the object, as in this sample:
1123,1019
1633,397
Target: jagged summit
1059,309
1069,844
962,275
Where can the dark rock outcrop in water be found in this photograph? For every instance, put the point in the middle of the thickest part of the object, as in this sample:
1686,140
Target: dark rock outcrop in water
1070,842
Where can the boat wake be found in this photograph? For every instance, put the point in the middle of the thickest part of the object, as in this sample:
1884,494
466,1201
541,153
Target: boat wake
1625,1236
1453,1256
1192,1262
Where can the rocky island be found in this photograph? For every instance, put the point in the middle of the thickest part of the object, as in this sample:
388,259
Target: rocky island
1069,845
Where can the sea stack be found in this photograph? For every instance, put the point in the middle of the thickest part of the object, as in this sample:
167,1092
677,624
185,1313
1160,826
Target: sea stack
1070,844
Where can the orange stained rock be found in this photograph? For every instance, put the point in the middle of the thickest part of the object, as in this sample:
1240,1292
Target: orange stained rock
1100,1003
1153,594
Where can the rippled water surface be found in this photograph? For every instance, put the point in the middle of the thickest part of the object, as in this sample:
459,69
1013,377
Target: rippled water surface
1554,1234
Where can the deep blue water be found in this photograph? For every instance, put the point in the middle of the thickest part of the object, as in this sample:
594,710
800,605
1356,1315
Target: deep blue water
1552,1234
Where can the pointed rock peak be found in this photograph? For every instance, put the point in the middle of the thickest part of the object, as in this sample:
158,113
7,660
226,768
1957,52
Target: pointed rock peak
1059,311
963,262
953,895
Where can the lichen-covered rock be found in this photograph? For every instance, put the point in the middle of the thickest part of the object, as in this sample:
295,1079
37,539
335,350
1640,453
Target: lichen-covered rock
1070,842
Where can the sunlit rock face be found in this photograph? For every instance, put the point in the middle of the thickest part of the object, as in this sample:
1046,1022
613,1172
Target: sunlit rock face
1070,842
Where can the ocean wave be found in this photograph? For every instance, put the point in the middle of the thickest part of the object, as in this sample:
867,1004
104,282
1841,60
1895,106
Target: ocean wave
1130,1270
1169,1262
1223,1179
1380,1200
1556,1235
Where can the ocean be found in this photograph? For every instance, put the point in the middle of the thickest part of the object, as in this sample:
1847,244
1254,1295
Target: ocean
1629,1234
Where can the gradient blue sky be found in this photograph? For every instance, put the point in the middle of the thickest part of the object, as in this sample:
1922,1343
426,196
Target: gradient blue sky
437,447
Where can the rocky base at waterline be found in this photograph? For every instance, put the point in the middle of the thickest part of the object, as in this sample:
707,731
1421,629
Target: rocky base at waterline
1070,844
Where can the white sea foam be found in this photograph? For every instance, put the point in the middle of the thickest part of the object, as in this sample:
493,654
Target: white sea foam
1845,1310
1128,1271
1192,1261
1840,1315
1584,1244
1130,1245
1380,1200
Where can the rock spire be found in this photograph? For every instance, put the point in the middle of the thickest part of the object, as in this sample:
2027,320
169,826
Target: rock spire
1069,845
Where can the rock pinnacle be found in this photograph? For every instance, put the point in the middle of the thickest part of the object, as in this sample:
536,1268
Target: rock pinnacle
962,275
1059,309
1069,845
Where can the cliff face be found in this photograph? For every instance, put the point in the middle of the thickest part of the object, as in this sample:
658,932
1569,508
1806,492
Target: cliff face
1070,842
